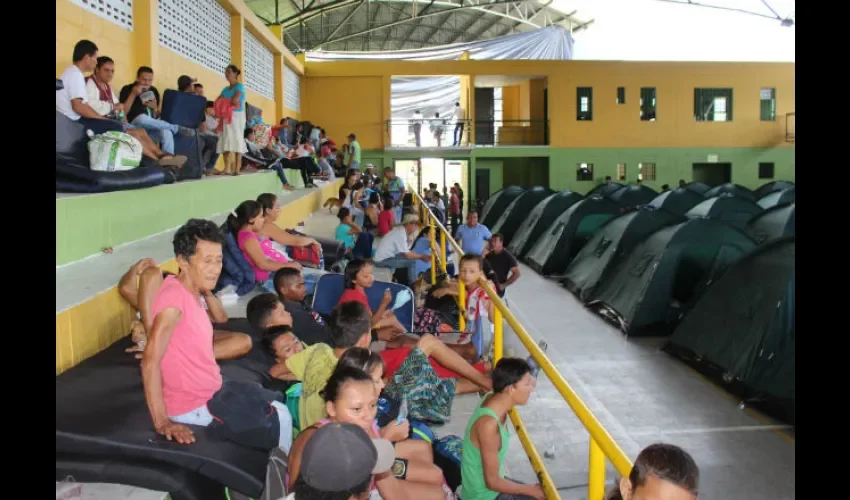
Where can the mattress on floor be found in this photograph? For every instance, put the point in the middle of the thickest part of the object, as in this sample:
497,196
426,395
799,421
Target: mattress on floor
101,413
179,482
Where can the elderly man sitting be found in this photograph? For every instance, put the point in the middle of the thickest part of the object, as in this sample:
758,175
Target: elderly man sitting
394,250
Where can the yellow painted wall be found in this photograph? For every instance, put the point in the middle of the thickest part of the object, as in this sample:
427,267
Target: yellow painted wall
511,103
345,105
131,50
74,24
613,125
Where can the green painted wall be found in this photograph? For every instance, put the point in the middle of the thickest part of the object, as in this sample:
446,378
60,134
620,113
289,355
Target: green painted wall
496,168
529,165
88,223
526,171
671,164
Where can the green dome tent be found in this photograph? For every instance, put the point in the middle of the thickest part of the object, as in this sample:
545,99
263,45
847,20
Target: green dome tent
774,223
557,246
540,218
775,198
698,187
605,189
731,209
729,188
633,196
665,274
614,241
772,187
745,323
678,201
514,215
497,203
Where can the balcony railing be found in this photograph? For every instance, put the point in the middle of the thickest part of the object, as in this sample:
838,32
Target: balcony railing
431,133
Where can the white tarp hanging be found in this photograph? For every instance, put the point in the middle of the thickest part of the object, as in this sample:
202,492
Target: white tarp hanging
428,95
552,43
438,94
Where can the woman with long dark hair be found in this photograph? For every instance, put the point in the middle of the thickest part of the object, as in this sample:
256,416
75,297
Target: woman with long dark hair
245,223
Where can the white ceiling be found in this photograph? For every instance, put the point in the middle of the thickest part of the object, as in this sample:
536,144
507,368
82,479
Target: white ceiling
665,31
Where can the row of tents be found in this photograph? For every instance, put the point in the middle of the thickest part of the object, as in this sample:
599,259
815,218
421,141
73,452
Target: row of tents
713,268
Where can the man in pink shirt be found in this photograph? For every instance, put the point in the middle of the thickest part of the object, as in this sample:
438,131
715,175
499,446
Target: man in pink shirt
183,383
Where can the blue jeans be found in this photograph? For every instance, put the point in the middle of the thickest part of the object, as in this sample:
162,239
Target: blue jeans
277,167
166,130
400,262
355,165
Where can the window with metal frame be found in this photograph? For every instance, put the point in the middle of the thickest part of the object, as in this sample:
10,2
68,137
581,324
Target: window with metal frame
119,12
646,171
713,104
291,89
647,104
198,30
584,172
259,66
584,103
767,100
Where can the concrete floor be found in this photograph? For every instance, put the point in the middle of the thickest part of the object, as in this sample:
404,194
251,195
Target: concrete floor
640,394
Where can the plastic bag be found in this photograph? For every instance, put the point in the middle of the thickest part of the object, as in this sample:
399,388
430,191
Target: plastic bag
114,151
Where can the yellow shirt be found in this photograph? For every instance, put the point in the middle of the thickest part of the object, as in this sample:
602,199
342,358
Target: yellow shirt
313,367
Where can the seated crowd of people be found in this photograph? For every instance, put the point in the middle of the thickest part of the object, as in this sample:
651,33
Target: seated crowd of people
352,395
88,97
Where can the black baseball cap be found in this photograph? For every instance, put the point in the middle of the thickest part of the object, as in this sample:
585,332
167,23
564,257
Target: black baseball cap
338,457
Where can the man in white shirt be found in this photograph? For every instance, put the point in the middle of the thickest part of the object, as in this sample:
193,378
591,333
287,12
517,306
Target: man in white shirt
417,121
394,250
72,99
460,120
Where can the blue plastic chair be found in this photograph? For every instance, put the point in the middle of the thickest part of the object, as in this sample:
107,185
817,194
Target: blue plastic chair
330,287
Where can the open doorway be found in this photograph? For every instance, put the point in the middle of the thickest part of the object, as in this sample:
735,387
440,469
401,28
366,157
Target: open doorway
713,174
418,174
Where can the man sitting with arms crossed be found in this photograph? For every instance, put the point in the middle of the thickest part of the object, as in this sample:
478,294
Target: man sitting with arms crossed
182,382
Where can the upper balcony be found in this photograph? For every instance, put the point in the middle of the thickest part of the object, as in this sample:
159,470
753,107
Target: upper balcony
431,134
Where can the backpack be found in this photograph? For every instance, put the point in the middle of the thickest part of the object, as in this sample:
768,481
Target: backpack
113,152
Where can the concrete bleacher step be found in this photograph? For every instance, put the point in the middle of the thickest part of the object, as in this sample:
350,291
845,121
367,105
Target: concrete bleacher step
90,313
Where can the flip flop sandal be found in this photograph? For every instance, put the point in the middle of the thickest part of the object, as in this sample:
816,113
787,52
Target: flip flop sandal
172,161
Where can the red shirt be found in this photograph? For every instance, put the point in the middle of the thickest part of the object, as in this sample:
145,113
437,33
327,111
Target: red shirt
393,358
354,295
386,221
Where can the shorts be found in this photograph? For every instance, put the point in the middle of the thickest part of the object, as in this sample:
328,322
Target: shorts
246,414
429,397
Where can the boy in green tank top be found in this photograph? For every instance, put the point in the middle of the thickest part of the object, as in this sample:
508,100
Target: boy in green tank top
485,443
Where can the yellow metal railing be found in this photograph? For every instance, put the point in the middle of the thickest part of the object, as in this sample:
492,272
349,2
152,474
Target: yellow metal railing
602,445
